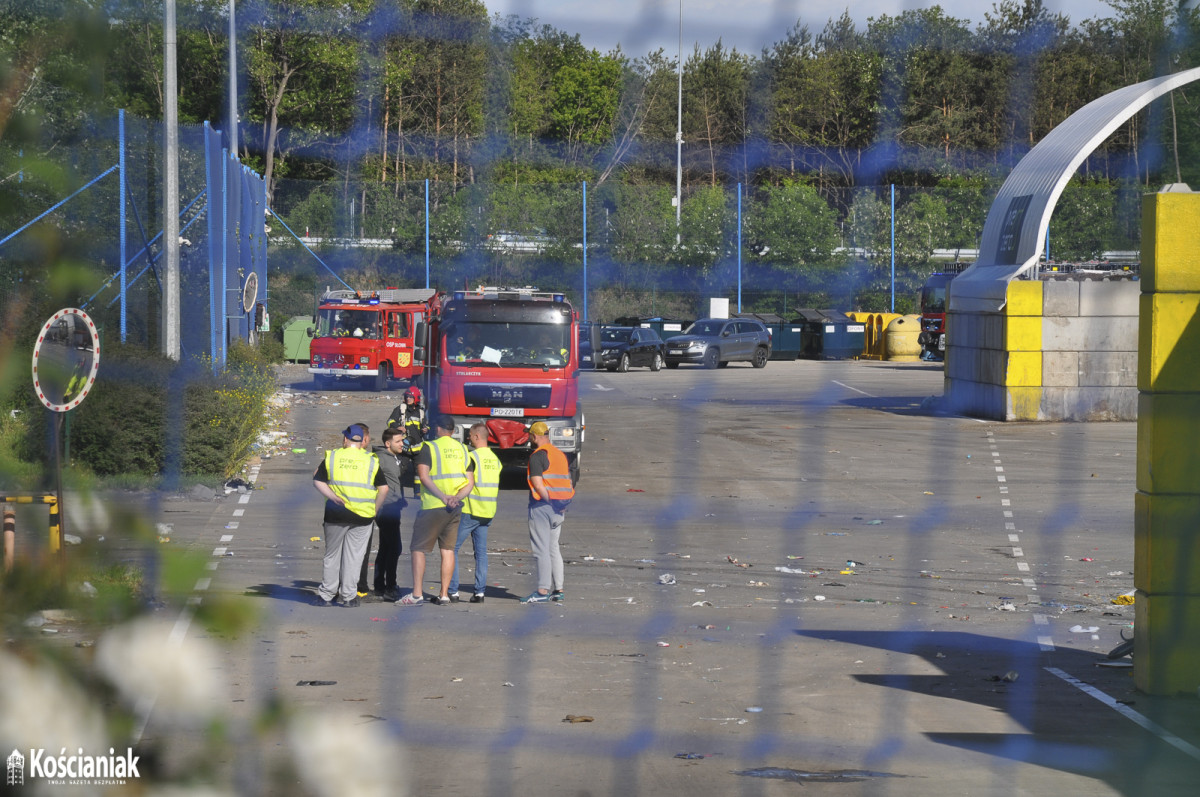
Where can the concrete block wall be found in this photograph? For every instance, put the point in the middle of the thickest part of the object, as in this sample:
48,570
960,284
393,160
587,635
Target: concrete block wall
1060,350
1166,538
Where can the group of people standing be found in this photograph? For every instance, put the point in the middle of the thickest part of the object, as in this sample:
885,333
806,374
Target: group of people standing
459,487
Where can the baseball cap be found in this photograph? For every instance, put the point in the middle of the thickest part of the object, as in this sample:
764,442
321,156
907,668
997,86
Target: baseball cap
539,427
353,432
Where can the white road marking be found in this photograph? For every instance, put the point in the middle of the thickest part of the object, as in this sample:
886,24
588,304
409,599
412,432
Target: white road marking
203,584
856,390
219,551
239,512
226,538
245,499
1128,713
1014,538
1018,553
1045,643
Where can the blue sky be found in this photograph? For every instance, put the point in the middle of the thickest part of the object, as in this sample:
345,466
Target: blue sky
641,26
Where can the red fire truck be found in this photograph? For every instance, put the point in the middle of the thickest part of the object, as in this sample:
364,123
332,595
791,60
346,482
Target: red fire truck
934,295
370,336
509,357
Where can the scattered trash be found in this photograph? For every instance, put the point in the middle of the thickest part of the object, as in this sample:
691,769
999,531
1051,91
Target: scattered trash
692,756
699,590
835,534
1008,677
84,643
507,683
754,710
792,570
645,561
1123,600
456,680
733,561
663,644
851,564
1120,665
927,492
634,490
801,776
299,450
874,522
87,589
666,578
1007,607
315,683
709,627
1087,559
578,718
1116,572
702,603
757,584
818,597
940,655
1079,629
833,584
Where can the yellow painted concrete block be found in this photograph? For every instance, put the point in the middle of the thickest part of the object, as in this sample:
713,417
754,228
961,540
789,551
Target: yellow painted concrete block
1169,342
1024,298
1024,369
1023,333
1168,456
1024,403
1166,543
1170,243
1166,648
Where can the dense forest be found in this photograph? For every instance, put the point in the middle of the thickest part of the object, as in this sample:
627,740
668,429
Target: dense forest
347,107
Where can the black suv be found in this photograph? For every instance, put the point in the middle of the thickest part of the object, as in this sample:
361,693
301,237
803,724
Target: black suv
623,347
714,342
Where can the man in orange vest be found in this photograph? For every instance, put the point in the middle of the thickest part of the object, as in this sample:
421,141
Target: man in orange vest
550,491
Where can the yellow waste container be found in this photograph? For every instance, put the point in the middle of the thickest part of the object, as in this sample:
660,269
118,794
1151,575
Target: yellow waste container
902,333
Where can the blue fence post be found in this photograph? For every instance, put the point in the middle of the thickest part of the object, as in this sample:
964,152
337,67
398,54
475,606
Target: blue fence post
585,310
893,247
739,247
225,158
427,232
121,180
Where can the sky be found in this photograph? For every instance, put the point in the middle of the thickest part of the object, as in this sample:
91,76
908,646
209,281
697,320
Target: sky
642,26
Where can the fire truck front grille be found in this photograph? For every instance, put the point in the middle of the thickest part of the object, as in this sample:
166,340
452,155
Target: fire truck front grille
534,397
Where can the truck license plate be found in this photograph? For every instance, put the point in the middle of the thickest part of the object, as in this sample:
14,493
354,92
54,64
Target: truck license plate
508,412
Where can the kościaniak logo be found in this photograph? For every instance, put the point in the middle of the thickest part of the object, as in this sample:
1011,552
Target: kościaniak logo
112,769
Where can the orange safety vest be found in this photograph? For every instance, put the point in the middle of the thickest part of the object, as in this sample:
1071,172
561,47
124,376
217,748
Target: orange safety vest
557,477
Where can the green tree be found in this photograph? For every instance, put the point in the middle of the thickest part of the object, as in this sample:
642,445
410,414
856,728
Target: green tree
1082,225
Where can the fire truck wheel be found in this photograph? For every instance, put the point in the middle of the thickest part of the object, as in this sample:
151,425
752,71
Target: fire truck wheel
381,378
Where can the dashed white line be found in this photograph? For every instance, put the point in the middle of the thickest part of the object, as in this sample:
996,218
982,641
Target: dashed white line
1014,537
1045,643
1018,553
219,551
245,499
203,584
239,512
226,538
1023,567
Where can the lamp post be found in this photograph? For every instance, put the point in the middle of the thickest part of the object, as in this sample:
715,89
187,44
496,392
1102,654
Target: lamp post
679,131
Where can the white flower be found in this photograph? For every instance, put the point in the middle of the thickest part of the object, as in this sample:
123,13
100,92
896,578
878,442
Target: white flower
147,663
40,708
339,754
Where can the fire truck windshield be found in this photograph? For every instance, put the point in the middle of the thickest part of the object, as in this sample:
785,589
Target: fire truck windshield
507,344
343,323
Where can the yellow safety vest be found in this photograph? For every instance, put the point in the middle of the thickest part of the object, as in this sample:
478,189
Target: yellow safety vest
481,501
351,473
448,469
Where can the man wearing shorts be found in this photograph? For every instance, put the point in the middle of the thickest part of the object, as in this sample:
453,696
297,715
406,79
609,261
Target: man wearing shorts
446,474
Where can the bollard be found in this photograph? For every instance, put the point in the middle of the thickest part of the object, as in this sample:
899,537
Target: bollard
10,536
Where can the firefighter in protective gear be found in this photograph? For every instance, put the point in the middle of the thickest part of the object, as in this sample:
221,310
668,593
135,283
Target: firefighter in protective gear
478,510
354,488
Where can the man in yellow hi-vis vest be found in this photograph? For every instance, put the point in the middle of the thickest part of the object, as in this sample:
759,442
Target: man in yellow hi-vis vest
478,510
444,470
354,488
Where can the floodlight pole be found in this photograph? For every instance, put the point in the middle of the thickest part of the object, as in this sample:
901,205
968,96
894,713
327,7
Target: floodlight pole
171,328
679,132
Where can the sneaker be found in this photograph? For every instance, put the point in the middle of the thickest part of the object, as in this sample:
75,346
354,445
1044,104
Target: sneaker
353,603
390,594
455,597
362,594
319,601
442,601
411,600
557,596
477,597
535,597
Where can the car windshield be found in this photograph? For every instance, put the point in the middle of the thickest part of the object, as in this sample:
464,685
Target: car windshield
340,323
705,328
506,344
614,335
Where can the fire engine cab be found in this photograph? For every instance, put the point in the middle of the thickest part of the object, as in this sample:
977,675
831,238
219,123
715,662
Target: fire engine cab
370,336
508,357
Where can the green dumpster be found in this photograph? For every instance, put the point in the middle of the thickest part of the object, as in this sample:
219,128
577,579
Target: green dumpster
786,337
830,335
296,338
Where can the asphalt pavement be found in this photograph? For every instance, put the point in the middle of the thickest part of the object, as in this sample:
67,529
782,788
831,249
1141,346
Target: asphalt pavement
798,576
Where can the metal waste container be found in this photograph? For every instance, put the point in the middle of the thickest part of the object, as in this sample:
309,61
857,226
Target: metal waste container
830,335
665,327
786,337
295,338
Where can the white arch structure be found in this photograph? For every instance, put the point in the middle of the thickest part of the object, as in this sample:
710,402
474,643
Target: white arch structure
1015,230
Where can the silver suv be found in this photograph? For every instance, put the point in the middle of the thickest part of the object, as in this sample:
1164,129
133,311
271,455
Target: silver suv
716,342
